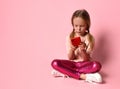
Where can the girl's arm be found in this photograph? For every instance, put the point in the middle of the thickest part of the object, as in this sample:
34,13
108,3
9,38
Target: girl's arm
71,54
70,49
90,44
87,47
85,53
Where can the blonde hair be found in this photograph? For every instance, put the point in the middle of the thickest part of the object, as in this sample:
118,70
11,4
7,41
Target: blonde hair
84,15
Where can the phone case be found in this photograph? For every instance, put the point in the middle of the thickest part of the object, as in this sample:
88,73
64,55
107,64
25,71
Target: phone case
76,41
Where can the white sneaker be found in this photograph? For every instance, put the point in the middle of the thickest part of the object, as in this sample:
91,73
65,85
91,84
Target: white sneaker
94,78
58,74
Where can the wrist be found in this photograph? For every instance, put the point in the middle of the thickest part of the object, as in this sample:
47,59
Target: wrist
83,50
73,48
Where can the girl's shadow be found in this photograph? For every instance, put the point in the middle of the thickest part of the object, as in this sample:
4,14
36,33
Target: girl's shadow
101,52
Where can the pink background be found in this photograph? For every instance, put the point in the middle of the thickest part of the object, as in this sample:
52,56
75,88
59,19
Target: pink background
33,32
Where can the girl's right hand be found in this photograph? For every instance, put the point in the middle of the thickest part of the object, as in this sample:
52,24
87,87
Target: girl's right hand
73,47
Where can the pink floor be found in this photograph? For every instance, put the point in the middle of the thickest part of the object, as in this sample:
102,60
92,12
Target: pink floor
33,33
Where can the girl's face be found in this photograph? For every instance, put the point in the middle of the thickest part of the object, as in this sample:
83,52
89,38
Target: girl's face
79,26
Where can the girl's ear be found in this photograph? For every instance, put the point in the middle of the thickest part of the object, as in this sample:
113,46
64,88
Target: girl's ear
86,31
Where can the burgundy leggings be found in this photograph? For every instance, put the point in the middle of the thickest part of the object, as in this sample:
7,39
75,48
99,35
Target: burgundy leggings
74,69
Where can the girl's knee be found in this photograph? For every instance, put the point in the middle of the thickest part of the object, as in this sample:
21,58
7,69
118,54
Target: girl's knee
97,65
55,63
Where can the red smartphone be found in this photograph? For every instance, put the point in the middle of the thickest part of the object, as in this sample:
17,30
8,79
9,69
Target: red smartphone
76,41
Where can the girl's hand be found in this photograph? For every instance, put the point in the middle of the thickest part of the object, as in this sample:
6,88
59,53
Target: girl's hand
73,48
82,46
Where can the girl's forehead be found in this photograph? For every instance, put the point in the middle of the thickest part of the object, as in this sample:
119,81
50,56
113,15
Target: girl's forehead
79,20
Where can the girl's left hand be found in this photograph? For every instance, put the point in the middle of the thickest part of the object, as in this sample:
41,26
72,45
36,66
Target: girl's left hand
82,46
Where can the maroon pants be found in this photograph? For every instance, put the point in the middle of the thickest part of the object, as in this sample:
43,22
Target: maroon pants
74,69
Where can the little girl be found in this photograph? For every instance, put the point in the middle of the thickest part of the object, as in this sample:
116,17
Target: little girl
80,64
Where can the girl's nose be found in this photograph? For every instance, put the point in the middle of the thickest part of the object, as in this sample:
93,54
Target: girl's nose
79,28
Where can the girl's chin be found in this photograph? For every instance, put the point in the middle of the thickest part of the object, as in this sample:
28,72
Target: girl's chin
78,33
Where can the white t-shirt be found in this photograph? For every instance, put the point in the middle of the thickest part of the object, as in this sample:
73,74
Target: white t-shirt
87,39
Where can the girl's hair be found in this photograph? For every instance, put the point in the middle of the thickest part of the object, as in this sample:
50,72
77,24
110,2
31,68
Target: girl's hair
84,15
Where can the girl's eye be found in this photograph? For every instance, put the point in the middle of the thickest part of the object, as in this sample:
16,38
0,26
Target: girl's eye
82,25
76,25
